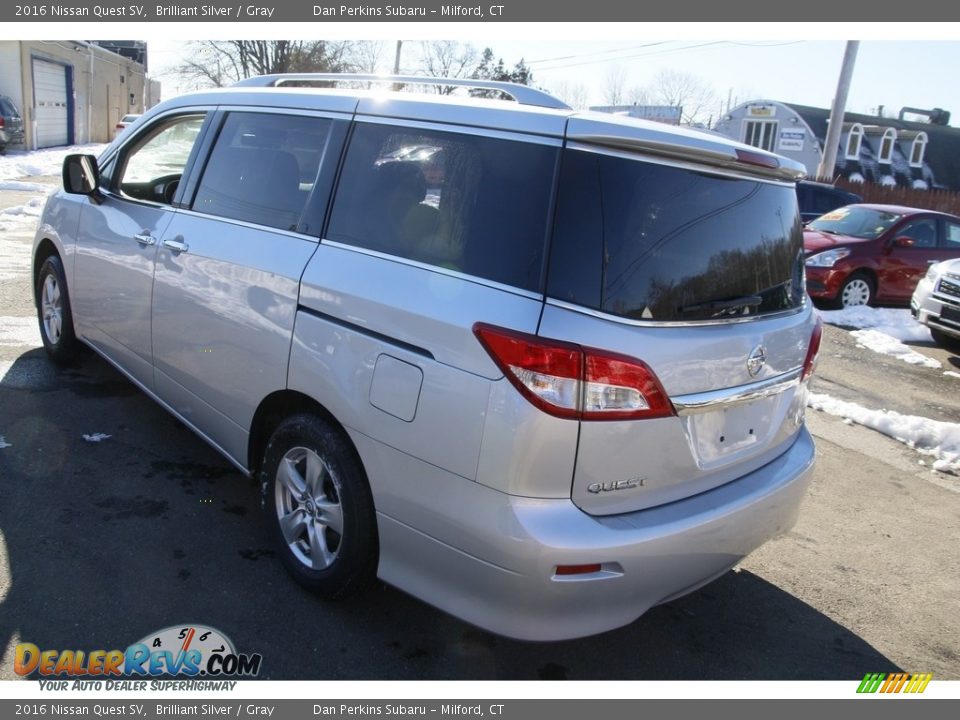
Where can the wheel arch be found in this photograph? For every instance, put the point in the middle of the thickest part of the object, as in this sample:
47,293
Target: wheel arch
45,248
271,412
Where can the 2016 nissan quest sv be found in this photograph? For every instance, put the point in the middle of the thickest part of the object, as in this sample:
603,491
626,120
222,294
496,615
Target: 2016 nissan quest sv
540,368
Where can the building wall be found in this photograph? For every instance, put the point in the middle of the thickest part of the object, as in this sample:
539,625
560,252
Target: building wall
106,86
793,137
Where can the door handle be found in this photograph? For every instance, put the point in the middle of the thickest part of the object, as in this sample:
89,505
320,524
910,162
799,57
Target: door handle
144,239
178,246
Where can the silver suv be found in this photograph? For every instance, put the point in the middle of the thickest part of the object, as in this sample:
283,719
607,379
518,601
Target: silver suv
545,374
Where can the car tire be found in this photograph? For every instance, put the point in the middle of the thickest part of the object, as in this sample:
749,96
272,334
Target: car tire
857,290
320,507
54,313
947,342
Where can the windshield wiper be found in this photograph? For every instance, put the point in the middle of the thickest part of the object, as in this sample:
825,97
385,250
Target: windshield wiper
724,307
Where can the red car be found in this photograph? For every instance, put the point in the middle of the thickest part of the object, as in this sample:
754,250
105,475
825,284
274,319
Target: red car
864,254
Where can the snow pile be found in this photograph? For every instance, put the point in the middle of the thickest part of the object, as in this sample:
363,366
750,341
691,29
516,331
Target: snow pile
940,440
19,332
20,186
96,437
951,373
894,322
884,344
18,164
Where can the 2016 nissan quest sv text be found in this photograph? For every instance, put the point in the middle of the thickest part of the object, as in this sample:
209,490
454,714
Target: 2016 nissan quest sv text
543,369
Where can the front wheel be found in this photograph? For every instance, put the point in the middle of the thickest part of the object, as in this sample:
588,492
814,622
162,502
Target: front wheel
857,290
54,314
320,506
947,342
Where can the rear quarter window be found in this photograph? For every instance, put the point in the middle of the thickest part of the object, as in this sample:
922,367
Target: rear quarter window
467,203
649,241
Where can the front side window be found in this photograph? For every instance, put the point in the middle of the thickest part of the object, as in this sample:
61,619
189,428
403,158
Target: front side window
467,203
263,168
653,242
922,232
152,169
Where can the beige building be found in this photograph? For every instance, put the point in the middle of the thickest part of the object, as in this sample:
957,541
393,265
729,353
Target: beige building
69,91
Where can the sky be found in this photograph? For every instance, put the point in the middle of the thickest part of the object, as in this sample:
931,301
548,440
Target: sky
775,62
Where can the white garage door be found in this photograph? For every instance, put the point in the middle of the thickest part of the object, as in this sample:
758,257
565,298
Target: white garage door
50,97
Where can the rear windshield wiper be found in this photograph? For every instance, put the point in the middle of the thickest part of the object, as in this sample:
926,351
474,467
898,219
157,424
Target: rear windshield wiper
724,307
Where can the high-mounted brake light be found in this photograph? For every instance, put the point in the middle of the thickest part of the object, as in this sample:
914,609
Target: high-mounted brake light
571,381
755,158
810,362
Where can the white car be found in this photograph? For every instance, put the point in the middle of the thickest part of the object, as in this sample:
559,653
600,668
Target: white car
125,122
936,303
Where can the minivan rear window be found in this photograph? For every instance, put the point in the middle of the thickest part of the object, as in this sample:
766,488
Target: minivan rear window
654,242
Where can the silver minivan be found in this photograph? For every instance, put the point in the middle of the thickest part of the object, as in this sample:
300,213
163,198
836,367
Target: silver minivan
545,375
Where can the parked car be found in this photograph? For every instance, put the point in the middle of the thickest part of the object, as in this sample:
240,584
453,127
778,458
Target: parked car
866,254
817,198
11,124
124,123
570,389
936,303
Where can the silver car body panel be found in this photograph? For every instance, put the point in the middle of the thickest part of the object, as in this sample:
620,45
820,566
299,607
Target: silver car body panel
479,495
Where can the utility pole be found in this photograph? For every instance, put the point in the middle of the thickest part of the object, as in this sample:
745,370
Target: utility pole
396,66
829,161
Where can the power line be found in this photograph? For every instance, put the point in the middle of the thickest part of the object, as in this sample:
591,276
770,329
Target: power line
598,52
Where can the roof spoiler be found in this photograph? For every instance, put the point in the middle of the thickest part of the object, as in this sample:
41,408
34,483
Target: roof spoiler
523,94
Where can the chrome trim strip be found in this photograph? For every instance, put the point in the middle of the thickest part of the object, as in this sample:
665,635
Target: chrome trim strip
561,304
697,403
451,127
434,268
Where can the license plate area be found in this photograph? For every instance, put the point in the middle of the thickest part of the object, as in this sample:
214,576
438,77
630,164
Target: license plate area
950,314
726,434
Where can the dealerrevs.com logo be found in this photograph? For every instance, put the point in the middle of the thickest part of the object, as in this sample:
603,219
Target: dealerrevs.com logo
180,650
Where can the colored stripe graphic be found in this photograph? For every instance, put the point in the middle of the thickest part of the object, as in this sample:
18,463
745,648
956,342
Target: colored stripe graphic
894,682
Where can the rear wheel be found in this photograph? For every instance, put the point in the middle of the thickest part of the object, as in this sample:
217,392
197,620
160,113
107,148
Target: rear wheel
320,507
54,314
858,290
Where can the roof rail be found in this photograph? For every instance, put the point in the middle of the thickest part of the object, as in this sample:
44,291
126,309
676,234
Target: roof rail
523,94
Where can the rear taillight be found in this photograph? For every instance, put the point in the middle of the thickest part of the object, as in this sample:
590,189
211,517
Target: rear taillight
810,362
1,121
571,381
119,126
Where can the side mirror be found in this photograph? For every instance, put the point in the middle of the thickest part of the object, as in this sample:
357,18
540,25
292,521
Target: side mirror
81,176
904,242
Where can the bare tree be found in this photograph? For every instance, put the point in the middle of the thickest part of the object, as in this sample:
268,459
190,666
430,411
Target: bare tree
448,58
222,62
639,95
680,89
366,56
613,84
573,94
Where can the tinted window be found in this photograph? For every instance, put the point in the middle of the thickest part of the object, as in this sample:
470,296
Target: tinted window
152,168
467,203
652,242
262,168
922,232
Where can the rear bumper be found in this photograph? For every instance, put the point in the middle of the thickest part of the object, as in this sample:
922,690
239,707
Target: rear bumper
497,570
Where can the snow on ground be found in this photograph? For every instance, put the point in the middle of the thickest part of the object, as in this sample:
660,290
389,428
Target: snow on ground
951,373
884,344
4,443
933,438
19,332
18,185
894,322
27,163
96,437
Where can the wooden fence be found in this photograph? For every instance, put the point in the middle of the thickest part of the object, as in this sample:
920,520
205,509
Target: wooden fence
942,200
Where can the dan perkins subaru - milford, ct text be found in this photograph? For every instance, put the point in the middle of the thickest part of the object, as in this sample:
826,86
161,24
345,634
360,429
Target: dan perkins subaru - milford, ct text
360,11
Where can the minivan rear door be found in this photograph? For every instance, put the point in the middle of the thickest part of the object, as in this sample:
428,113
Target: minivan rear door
696,269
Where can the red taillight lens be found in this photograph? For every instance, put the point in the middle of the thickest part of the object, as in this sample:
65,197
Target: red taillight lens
119,126
755,158
1,121
571,381
810,362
